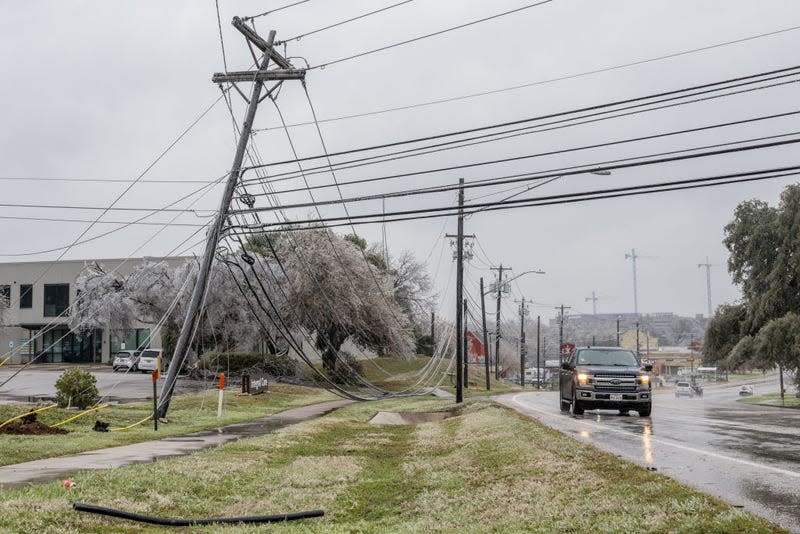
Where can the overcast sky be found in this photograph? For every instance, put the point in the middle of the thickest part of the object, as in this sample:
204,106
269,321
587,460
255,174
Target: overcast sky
98,89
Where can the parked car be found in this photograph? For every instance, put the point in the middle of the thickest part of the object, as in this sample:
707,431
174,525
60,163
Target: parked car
149,360
127,360
607,378
746,391
684,389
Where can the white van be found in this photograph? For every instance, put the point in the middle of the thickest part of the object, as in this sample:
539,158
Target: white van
150,359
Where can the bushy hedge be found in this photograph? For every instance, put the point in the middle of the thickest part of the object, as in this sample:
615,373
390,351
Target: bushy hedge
273,364
76,387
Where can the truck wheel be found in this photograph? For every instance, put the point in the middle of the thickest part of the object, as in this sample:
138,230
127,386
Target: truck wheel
576,407
645,412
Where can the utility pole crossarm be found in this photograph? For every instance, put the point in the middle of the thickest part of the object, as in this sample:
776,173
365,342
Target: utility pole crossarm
258,75
260,43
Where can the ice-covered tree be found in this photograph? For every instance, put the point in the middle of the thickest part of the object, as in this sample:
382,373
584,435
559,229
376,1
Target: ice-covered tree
332,292
148,296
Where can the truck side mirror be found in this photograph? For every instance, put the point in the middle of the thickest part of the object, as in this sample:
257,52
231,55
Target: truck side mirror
648,367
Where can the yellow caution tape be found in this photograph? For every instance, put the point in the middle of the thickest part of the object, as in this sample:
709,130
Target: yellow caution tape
149,417
90,410
5,361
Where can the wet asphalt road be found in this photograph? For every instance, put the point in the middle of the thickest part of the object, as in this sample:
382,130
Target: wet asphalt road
747,455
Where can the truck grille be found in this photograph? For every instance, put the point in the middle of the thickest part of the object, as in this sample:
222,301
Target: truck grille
616,382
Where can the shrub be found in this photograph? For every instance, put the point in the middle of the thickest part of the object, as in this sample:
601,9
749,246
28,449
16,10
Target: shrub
273,364
76,387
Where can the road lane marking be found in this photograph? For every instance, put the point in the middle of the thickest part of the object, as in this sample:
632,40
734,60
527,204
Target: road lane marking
663,442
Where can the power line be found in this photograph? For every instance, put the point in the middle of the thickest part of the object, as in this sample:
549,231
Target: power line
107,209
662,157
426,36
281,8
99,180
549,153
528,130
448,210
55,219
340,23
543,82
748,79
66,248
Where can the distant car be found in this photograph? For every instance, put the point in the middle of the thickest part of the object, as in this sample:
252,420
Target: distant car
684,389
746,391
127,360
148,360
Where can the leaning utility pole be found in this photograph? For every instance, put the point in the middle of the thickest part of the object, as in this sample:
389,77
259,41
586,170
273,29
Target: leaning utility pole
497,325
485,337
285,72
637,339
594,300
459,293
708,266
633,257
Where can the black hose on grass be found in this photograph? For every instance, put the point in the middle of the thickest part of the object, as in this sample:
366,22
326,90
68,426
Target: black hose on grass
102,510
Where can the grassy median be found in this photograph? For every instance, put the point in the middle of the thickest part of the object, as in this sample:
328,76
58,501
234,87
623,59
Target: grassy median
485,470
188,413
774,399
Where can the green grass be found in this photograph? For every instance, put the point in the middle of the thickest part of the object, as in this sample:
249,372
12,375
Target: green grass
486,470
394,374
736,377
774,399
188,413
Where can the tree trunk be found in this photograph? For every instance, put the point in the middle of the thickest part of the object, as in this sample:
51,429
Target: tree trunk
329,344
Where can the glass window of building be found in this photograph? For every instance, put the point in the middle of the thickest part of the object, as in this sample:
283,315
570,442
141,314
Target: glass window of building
56,299
134,339
25,296
5,295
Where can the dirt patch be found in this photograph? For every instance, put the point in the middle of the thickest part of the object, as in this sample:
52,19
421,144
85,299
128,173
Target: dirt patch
410,418
28,425
31,429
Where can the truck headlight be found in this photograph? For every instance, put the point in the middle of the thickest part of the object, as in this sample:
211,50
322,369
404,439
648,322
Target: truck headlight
582,378
644,379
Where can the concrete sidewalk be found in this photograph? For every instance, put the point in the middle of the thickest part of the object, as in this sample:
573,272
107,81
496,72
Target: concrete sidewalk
60,467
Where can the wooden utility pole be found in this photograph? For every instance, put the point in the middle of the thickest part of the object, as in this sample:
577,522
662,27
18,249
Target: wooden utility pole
433,333
561,334
466,346
497,325
485,337
538,346
460,294
258,77
522,342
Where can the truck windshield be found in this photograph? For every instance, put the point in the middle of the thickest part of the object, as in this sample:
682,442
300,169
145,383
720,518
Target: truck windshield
607,357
